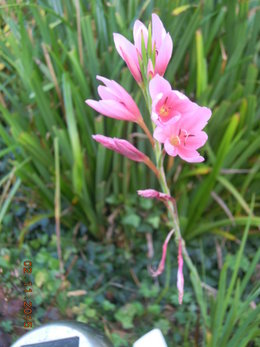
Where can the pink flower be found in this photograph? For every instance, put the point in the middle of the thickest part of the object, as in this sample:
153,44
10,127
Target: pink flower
154,194
121,146
132,53
127,149
116,102
180,278
183,137
168,103
129,54
163,45
179,121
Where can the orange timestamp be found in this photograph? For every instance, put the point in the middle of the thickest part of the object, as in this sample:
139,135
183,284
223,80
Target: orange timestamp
27,305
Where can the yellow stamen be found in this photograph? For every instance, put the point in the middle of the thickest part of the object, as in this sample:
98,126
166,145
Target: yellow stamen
164,111
175,141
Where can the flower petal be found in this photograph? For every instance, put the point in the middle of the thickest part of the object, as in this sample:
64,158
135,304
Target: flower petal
158,30
196,120
160,134
121,146
107,142
164,55
189,155
106,93
154,194
158,85
127,149
170,149
133,67
95,105
180,102
148,193
196,141
128,53
122,95
113,109
150,69
139,30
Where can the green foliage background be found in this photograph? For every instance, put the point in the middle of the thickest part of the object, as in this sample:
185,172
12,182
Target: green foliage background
51,52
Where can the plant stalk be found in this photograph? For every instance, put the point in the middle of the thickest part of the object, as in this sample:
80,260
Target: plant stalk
172,211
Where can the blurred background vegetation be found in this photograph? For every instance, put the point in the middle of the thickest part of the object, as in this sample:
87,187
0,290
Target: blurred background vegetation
53,173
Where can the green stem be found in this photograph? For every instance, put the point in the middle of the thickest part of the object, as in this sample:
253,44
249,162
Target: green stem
177,234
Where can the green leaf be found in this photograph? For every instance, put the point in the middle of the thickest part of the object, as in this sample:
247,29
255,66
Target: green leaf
200,200
201,64
178,10
41,278
131,220
154,221
126,314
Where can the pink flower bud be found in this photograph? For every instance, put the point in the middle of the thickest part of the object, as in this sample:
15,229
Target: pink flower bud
132,53
121,146
115,102
163,45
129,54
150,69
154,194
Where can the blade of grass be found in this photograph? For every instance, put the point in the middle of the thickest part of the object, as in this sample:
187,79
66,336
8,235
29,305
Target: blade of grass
201,64
8,199
229,186
200,200
57,204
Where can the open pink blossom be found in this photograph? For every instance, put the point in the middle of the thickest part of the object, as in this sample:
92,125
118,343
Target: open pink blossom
179,121
168,103
154,194
180,278
121,146
184,136
115,102
131,53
